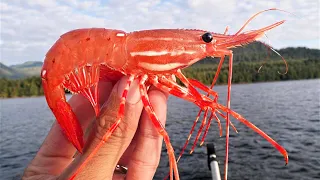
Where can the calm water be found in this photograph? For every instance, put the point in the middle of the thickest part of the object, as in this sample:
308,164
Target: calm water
288,111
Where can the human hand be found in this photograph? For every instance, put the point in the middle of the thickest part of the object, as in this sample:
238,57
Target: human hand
135,144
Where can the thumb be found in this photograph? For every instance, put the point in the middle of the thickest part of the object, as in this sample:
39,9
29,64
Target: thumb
103,163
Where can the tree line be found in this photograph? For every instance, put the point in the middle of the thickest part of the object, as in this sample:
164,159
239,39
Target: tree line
21,87
243,72
256,52
247,72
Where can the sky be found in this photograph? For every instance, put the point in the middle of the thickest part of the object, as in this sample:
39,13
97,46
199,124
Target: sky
30,27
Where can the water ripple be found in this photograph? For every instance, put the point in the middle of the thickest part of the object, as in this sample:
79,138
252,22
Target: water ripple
288,111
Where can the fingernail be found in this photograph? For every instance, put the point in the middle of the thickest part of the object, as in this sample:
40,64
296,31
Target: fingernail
133,96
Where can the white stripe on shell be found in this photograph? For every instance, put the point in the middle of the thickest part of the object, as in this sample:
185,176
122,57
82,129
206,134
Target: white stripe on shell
164,67
164,39
160,67
161,53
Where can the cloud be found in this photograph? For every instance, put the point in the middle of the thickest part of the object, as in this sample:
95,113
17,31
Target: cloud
30,28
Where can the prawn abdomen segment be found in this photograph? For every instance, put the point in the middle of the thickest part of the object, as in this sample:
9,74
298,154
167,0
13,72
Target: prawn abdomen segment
83,47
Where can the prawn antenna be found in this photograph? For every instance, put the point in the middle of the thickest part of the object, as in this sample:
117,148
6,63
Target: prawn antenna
255,15
268,53
285,62
271,48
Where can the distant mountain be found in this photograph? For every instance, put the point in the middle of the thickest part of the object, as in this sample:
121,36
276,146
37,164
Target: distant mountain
8,72
27,69
28,64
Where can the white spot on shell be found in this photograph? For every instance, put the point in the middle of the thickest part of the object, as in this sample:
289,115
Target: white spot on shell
43,73
120,34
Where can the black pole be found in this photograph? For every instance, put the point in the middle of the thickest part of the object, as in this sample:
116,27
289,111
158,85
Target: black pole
213,162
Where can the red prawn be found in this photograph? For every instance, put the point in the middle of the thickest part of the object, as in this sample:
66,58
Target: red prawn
81,58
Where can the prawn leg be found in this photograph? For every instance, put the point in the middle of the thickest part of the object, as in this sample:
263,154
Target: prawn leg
199,85
161,130
208,93
256,129
166,85
85,80
228,115
185,81
206,102
192,90
204,120
213,115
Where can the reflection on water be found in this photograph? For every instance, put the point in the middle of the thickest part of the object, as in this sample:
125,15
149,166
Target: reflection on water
287,111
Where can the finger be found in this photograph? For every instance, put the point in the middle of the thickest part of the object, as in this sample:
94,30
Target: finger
57,152
127,155
103,163
146,155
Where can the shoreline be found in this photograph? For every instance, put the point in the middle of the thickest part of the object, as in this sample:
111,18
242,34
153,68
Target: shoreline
35,96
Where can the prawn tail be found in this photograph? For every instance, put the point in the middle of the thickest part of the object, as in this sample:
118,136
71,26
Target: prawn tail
65,116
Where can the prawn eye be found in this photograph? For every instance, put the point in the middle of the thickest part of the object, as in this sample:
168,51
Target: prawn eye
207,37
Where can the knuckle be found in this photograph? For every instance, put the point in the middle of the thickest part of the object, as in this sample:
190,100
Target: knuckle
149,133
106,122
146,165
108,117
159,93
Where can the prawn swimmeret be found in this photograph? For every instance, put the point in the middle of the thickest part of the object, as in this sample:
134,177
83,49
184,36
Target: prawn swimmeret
81,58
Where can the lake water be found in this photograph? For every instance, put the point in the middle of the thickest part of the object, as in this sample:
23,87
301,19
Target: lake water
288,111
